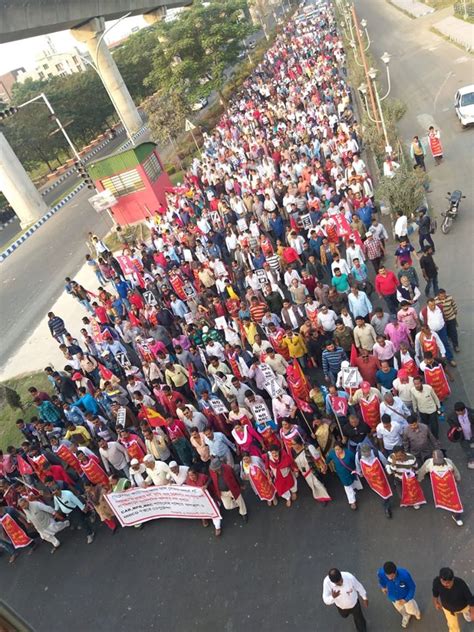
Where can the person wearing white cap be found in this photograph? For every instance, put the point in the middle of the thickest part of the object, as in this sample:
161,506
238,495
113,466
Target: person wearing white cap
177,473
157,471
138,474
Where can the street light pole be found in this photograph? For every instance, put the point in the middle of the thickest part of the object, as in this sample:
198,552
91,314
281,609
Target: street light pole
56,119
364,63
372,75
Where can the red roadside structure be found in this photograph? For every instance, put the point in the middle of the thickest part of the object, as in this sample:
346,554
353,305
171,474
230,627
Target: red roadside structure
137,179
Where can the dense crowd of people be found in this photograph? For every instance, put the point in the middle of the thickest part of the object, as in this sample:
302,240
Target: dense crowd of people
257,339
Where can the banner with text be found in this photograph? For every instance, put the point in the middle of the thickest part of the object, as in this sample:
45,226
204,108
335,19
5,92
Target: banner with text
135,506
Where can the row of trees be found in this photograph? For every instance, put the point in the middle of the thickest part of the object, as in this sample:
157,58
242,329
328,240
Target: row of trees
176,61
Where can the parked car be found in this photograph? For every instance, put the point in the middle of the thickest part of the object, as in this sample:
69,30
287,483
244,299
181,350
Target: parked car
200,104
464,105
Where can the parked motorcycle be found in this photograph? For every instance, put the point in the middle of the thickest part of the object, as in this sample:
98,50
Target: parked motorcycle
452,212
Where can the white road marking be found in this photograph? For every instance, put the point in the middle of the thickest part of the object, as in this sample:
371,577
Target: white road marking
450,73
462,60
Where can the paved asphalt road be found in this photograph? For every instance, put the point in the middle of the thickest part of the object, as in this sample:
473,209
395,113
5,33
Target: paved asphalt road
426,71
265,576
61,190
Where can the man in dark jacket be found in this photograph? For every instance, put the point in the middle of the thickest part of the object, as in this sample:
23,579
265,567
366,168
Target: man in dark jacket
462,418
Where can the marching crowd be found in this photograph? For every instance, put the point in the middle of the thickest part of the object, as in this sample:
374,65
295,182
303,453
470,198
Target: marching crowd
257,339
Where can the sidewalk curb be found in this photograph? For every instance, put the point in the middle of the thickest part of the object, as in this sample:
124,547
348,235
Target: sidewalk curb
11,249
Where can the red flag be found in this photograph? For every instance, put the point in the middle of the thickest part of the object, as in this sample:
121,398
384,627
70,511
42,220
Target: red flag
105,373
297,381
354,355
24,467
191,381
151,416
304,406
338,405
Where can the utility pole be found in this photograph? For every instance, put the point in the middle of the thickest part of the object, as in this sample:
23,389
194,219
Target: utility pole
366,69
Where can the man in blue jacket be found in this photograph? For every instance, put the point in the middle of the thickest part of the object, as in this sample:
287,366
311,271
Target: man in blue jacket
398,585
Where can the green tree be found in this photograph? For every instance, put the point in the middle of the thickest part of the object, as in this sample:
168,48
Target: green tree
405,191
204,41
135,62
167,112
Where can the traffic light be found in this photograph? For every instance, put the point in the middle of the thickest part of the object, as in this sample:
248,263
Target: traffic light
82,171
7,113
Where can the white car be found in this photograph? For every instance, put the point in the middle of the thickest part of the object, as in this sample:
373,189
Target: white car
464,105
200,104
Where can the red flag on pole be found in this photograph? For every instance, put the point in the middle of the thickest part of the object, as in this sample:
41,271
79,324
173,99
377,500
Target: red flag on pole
354,355
24,467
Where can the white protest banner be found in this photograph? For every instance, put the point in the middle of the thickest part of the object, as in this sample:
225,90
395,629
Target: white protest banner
218,406
189,318
121,417
272,388
350,377
137,505
242,224
189,291
306,221
260,412
267,371
262,277
122,358
150,298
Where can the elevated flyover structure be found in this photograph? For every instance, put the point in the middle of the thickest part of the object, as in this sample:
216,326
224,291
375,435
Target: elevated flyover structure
20,19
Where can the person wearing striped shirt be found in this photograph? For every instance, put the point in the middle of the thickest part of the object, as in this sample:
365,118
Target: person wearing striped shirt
332,357
450,312
398,463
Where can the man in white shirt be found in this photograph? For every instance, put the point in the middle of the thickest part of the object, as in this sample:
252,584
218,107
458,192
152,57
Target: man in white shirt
401,226
396,408
157,471
389,433
343,590
177,473
114,454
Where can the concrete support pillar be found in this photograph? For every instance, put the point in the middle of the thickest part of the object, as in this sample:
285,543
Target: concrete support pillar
155,16
90,34
17,187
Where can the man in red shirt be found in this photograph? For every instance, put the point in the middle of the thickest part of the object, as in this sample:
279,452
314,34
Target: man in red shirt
58,473
368,366
386,287
226,487
257,310
42,395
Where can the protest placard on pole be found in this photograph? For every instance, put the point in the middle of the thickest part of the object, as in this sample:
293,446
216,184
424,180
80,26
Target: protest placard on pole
350,377
150,298
272,388
218,406
260,412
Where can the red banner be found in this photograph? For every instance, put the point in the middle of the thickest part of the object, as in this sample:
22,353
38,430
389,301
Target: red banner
297,381
412,494
94,473
17,536
355,235
24,467
445,491
411,368
370,411
338,405
68,457
436,378
376,478
178,286
134,450
343,226
263,487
